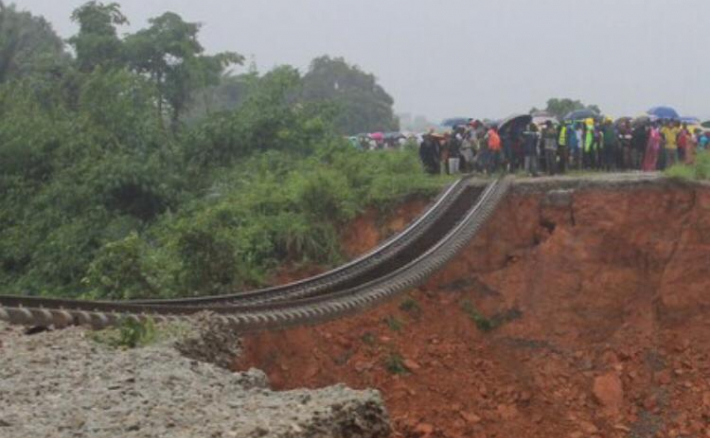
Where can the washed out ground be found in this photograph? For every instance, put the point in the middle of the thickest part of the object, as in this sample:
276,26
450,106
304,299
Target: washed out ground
572,314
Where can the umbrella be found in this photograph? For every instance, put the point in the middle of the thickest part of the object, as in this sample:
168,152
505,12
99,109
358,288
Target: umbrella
642,120
582,114
456,121
690,120
621,120
706,124
541,120
377,136
519,121
664,112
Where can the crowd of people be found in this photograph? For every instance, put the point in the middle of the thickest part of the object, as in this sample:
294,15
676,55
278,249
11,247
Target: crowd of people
591,144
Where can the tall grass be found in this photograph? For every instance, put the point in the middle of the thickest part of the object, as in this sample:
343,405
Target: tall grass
700,171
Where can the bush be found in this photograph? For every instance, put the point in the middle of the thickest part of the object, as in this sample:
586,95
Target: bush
394,363
698,172
129,334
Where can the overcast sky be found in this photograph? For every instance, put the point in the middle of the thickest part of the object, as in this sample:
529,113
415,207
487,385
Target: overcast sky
477,58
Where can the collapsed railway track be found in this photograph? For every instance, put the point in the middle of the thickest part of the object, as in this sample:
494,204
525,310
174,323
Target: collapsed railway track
392,254
399,265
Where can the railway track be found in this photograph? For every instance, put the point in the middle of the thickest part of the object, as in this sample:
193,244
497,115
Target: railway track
393,253
408,269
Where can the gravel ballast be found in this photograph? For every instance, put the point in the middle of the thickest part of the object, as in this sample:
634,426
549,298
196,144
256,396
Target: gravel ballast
64,384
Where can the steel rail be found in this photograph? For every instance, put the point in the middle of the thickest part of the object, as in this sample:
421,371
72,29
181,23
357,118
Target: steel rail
39,311
349,274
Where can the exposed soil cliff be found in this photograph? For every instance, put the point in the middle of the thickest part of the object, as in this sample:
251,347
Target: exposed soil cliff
594,307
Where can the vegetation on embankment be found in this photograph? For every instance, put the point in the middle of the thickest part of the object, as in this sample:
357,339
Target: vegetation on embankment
700,171
117,180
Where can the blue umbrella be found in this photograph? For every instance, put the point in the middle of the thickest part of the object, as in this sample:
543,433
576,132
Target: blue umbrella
582,114
664,112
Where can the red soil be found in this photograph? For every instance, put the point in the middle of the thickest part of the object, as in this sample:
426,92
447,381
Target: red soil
608,334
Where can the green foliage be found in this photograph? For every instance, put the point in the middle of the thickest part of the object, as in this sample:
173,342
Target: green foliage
129,334
394,364
561,107
485,324
362,105
700,171
28,45
394,324
98,200
169,53
411,306
482,323
369,339
97,43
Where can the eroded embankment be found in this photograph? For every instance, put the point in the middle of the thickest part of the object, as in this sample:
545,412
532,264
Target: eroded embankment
600,296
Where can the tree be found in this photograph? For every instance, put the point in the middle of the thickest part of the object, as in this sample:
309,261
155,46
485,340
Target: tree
363,105
28,44
170,54
97,43
561,107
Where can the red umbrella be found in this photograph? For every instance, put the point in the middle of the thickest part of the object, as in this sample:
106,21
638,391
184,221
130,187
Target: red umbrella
377,136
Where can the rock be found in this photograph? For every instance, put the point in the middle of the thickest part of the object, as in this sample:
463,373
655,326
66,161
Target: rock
608,392
411,365
162,393
507,412
470,418
663,377
211,340
650,403
423,430
622,428
706,399
588,428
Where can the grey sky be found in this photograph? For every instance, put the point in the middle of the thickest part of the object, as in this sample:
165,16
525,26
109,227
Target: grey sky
479,58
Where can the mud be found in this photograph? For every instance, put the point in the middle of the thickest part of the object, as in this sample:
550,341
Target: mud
575,313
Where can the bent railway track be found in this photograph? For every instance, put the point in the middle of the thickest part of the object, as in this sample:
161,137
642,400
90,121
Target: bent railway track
393,253
402,271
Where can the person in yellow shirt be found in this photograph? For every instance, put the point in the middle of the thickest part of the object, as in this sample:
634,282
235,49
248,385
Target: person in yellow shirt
670,134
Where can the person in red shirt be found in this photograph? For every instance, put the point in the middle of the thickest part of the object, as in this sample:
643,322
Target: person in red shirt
683,142
494,144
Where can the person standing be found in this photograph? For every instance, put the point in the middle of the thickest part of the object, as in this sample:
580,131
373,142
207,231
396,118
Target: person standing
454,148
624,157
691,145
598,147
468,150
682,142
550,140
566,132
531,139
653,146
574,143
493,141
429,154
703,140
639,141
670,136
610,145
